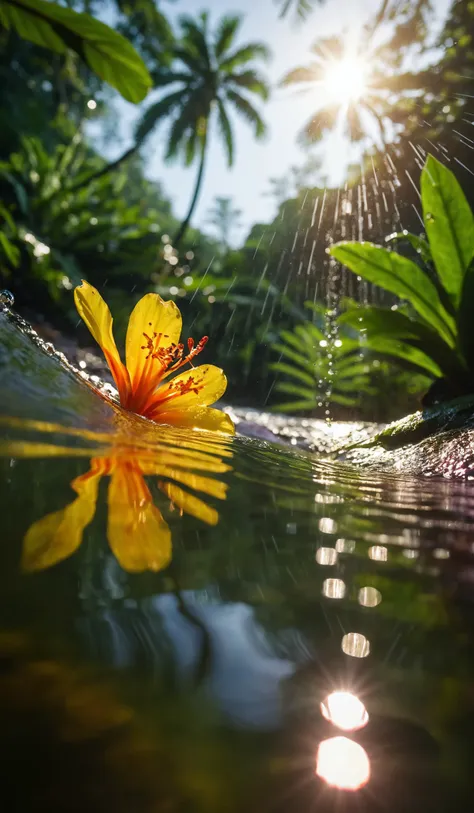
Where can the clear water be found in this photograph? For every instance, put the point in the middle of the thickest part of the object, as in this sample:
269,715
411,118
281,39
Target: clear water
198,687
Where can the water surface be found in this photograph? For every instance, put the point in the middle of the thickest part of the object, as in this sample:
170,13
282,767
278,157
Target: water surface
201,657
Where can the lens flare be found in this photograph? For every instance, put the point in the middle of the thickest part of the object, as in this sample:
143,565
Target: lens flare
345,79
342,763
345,710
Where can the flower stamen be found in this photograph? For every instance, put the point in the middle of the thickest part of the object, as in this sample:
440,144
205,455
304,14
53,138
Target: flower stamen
172,357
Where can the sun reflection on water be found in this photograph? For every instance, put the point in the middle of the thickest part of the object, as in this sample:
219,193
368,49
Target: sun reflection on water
345,710
342,763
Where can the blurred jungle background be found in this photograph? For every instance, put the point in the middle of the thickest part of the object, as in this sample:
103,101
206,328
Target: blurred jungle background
213,152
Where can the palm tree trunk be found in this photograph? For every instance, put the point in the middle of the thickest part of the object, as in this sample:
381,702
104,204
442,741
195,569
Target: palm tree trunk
105,170
184,225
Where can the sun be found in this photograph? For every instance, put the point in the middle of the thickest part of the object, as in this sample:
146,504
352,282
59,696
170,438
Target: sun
345,79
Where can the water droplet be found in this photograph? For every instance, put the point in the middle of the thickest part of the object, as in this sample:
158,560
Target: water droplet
378,553
369,597
334,588
7,299
356,645
326,556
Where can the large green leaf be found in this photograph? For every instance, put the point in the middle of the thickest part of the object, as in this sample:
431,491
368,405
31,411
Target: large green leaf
394,325
400,276
465,314
104,50
406,353
449,225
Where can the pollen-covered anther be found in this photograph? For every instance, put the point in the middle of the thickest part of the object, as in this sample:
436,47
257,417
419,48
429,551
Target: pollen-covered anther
183,387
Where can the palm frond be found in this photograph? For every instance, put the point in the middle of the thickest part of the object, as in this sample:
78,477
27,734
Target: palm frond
181,131
247,110
251,81
157,112
163,76
225,34
310,74
226,131
317,125
302,8
329,48
254,50
194,35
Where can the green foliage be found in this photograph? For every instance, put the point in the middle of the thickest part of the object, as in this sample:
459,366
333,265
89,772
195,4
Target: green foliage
209,76
55,236
316,370
434,333
104,50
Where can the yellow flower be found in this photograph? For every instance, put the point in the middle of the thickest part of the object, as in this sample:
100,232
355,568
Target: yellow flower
153,352
137,533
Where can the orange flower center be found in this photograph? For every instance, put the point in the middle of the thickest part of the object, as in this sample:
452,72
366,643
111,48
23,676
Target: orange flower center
173,356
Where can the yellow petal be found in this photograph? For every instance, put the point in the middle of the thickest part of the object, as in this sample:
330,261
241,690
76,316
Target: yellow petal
199,386
58,535
150,315
155,463
199,418
190,504
138,535
96,314
208,485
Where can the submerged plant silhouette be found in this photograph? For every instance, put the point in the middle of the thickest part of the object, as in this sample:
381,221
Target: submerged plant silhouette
137,533
432,333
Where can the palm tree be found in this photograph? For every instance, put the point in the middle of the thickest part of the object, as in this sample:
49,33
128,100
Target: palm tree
208,75
211,75
224,217
370,85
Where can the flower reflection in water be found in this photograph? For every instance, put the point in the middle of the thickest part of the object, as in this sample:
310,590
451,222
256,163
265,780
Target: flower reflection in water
137,533
345,710
343,763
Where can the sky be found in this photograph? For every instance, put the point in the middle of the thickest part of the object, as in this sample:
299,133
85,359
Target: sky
247,182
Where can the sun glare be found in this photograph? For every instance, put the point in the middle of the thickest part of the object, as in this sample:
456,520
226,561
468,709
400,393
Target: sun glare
345,79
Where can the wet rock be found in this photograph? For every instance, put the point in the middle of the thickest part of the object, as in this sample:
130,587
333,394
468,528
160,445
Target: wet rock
310,434
433,442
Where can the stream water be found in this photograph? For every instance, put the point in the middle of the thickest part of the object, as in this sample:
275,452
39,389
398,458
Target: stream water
195,623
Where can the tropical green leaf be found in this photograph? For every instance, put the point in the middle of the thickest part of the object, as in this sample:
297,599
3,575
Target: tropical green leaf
388,324
465,318
296,406
292,371
405,353
418,243
11,251
298,358
294,389
449,224
400,276
104,50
